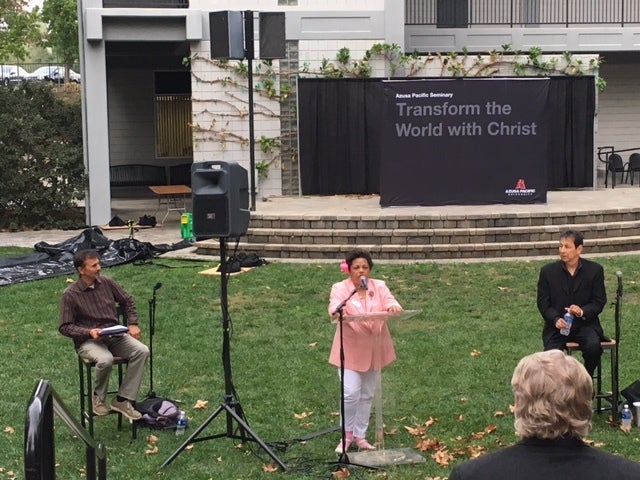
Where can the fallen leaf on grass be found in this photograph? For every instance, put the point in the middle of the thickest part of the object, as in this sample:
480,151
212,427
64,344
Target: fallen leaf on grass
475,353
201,404
70,280
270,468
503,289
151,451
498,413
512,408
393,431
189,447
152,439
476,451
460,418
430,422
300,416
342,473
314,344
490,428
442,457
10,430
416,431
427,444
464,399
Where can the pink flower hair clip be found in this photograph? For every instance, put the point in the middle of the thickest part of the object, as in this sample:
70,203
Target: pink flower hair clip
344,266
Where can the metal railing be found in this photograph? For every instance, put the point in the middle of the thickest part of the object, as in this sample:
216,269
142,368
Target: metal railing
39,450
516,13
145,3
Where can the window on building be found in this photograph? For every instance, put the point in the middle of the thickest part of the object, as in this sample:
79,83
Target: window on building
173,115
453,13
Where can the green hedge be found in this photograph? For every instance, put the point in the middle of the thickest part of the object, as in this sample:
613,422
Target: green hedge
41,163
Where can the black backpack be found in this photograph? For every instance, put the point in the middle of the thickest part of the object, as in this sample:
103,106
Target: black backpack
158,412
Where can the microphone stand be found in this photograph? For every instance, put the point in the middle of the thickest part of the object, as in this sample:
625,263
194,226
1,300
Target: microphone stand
615,398
152,331
344,458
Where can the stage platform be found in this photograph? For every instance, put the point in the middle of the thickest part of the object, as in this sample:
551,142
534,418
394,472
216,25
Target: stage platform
324,228
321,228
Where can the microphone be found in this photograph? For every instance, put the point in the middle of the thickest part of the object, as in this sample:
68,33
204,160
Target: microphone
363,283
619,275
157,287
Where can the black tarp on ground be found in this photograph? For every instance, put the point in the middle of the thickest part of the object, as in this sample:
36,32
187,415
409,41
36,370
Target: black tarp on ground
51,260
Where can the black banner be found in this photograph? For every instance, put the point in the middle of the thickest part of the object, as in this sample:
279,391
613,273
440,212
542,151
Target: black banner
464,141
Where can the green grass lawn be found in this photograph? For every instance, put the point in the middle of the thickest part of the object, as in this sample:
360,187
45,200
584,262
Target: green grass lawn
454,365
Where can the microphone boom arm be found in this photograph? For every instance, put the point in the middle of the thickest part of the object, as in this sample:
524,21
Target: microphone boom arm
344,302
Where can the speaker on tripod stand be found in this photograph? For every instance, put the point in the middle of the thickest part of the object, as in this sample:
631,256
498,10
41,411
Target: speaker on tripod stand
220,193
221,209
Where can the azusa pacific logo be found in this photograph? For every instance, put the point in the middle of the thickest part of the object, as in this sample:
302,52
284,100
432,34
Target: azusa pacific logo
520,190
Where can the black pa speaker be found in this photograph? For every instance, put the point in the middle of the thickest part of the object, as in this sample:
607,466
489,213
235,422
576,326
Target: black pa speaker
226,34
220,194
272,35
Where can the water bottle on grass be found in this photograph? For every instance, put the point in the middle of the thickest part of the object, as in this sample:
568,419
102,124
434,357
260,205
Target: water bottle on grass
181,425
625,418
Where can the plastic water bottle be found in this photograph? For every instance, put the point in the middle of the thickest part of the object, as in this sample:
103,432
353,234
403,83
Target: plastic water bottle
625,418
181,424
568,318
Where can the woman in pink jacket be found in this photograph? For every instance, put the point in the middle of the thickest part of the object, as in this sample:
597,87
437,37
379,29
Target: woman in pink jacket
367,344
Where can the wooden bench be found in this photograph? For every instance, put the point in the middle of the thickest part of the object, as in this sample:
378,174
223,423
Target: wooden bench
137,175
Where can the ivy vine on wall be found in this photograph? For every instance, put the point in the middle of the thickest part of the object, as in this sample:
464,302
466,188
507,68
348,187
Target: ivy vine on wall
395,63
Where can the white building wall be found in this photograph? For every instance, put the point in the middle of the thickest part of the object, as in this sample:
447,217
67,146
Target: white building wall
618,107
220,111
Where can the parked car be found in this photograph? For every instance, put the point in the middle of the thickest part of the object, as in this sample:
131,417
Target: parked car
53,73
12,74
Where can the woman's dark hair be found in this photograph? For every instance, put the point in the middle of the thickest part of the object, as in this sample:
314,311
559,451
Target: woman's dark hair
358,253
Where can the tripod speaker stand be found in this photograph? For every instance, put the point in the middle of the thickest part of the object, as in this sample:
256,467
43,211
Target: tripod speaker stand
229,405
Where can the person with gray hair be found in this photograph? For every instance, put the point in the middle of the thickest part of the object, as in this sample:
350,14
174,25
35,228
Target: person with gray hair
552,393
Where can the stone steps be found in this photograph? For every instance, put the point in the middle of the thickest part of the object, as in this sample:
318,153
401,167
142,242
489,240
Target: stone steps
425,252
426,237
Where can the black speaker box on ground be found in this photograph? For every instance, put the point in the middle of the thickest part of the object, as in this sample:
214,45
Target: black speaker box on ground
226,34
220,193
272,35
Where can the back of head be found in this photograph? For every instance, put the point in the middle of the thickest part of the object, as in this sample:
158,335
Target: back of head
553,393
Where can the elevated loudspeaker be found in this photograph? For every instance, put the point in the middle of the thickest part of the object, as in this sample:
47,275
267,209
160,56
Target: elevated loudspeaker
272,35
220,193
226,35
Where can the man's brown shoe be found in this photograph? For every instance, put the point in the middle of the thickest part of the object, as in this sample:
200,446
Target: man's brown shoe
99,407
126,409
